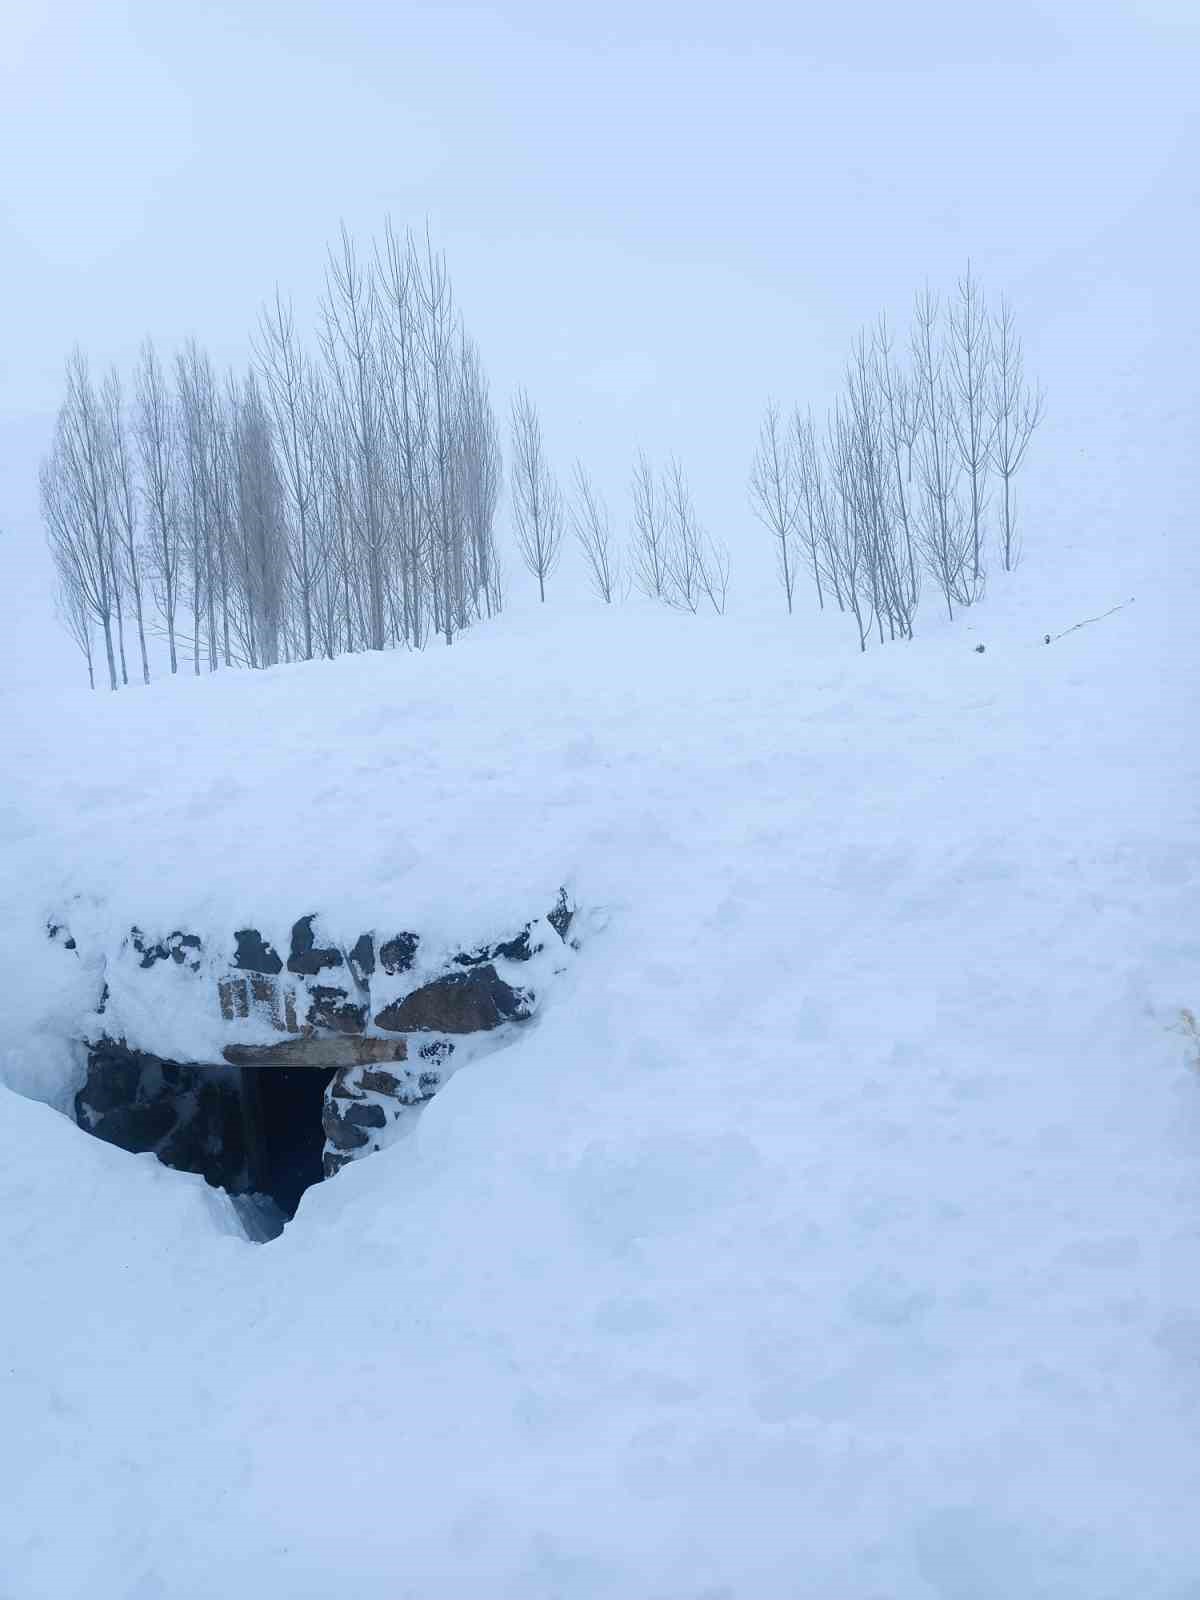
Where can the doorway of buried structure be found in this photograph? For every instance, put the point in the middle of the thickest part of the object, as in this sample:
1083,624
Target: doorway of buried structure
285,1133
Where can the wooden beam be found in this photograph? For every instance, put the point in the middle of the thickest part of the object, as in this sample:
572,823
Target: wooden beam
322,1055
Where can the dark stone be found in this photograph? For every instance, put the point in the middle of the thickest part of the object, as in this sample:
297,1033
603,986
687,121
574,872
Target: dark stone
342,1134
375,1080
58,934
306,958
436,1050
560,918
517,949
112,1081
365,1114
254,954
177,947
212,1141
332,1008
137,1127
461,1002
362,959
397,955
189,1116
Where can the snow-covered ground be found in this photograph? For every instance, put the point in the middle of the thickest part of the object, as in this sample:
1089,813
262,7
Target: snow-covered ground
833,1232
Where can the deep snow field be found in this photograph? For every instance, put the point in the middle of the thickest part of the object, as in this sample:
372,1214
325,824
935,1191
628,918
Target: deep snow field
834,1231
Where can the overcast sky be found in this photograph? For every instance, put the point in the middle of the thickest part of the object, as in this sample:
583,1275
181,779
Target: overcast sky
655,214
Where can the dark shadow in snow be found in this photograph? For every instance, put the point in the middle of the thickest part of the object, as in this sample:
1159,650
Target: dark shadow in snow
255,1132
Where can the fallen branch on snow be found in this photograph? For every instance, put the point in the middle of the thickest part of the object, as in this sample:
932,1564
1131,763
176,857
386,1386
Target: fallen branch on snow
1051,637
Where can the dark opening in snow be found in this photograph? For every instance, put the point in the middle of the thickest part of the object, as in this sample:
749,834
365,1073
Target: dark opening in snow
283,1113
255,1132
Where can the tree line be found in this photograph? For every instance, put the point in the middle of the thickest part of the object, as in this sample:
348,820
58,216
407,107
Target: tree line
332,499
897,486
346,500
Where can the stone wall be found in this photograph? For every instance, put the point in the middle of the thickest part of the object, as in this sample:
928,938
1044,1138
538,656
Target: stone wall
381,1023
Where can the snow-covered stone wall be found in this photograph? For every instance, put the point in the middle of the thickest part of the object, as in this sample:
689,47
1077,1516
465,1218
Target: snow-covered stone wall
185,1022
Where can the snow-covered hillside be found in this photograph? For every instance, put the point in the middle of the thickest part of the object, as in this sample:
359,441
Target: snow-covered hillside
834,1229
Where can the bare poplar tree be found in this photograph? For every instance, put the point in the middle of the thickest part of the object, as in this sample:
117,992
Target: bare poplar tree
775,494
685,547
815,522
946,535
349,337
1015,412
289,384
124,506
398,271
970,364
196,408
481,472
648,555
260,525
71,609
76,504
438,340
902,425
697,568
154,430
537,500
590,524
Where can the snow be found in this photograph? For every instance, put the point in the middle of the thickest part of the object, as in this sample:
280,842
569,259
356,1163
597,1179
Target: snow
835,1228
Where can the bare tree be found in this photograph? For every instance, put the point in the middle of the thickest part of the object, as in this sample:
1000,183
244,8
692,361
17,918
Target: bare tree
537,500
902,425
349,337
648,555
438,331
970,364
481,473
815,522
775,494
76,505
590,523
71,609
196,412
850,540
404,396
154,430
697,568
124,503
685,547
945,532
289,385
263,555
1015,411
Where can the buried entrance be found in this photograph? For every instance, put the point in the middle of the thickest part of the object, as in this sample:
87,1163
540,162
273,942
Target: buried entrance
282,1108
256,1132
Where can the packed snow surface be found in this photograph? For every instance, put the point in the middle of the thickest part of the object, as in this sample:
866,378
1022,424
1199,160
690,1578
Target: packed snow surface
834,1231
